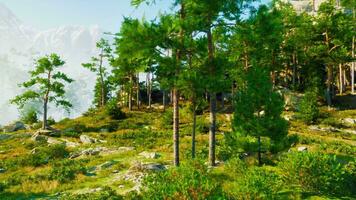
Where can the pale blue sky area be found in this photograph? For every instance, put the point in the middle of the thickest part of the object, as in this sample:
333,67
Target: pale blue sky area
108,14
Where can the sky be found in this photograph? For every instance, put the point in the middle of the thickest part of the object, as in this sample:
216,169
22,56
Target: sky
107,14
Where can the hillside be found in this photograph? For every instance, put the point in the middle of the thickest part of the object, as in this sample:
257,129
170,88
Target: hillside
94,153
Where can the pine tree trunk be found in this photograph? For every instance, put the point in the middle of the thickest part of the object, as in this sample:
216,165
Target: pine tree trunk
341,80
130,94
138,91
259,151
353,68
194,128
176,126
222,100
44,123
294,71
329,85
212,101
102,84
164,100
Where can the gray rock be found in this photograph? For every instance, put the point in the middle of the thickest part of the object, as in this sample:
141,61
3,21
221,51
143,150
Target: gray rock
86,139
349,121
49,132
54,141
106,165
71,144
39,138
2,170
126,148
14,127
154,167
302,149
149,155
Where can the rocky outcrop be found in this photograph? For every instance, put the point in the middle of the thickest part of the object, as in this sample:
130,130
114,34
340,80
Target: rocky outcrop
150,155
14,127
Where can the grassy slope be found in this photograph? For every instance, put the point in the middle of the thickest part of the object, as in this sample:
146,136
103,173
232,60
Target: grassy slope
145,132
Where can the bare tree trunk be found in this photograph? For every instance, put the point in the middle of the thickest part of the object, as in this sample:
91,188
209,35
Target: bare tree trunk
212,130
259,151
353,68
176,126
294,70
164,100
102,84
138,91
222,100
341,80
329,84
194,127
44,123
130,93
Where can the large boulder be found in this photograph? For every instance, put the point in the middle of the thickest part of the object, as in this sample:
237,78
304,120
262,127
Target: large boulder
349,121
49,132
39,138
14,127
87,140
302,149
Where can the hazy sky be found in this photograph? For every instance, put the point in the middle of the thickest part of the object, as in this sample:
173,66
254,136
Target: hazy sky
108,14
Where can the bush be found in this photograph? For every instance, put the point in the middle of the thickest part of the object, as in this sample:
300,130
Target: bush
29,116
257,183
308,108
66,170
189,181
315,173
113,110
106,193
51,121
2,187
72,134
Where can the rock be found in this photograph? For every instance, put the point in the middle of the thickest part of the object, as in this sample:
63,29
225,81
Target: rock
89,152
2,170
349,121
54,141
149,155
14,127
126,148
5,136
325,129
154,167
71,144
302,149
115,171
86,139
39,138
106,165
49,132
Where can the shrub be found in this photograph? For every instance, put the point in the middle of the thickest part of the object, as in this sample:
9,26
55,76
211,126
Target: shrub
308,108
51,121
257,183
314,172
43,155
189,181
113,110
2,187
106,193
72,134
29,116
66,170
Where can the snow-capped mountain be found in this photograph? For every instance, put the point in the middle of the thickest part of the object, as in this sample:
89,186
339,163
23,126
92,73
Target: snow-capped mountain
20,45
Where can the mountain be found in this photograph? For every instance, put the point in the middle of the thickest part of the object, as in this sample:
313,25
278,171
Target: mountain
21,44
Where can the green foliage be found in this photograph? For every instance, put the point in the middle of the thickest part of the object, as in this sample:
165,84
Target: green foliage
258,108
29,116
167,118
66,170
189,181
106,193
51,121
308,108
113,110
257,183
317,173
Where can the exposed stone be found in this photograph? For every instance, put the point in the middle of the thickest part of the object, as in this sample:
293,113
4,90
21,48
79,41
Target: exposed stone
106,165
126,148
149,155
54,141
349,121
14,127
301,149
154,167
48,132
90,152
86,139
325,129
39,138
